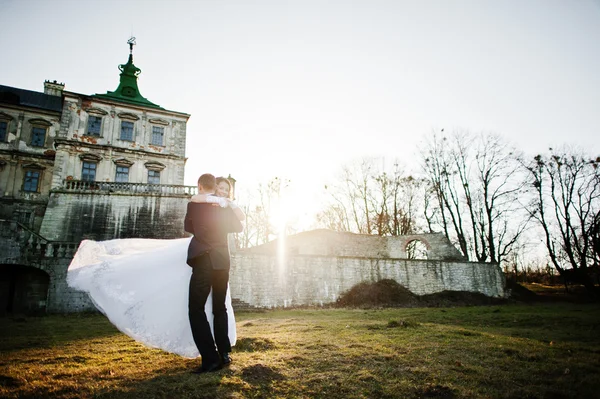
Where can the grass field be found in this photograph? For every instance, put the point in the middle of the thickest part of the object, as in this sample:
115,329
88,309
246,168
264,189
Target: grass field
549,350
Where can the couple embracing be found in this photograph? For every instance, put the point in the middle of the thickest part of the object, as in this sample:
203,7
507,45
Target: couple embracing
141,285
210,218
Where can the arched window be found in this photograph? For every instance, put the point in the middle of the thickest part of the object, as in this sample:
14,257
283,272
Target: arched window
416,249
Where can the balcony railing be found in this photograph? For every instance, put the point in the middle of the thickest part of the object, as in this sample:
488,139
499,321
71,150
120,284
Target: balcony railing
127,188
32,244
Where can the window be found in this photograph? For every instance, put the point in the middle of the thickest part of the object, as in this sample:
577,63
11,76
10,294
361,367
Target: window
3,130
38,136
32,181
153,177
127,130
122,174
416,249
88,171
94,125
158,133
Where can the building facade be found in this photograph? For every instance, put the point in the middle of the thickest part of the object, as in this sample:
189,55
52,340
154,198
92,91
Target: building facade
76,166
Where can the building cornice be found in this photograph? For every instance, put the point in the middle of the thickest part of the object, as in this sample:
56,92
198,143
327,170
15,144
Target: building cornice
126,105
17,154
74,143
30,109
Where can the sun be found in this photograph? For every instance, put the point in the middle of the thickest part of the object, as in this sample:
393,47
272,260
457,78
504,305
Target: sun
281,214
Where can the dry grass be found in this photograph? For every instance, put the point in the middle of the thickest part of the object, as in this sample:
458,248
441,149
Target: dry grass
513,351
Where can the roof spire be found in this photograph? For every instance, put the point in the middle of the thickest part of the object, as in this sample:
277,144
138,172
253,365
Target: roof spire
131,43
128,90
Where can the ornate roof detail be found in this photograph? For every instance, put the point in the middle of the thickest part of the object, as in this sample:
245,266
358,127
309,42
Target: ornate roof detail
159,121
128,91
123,162
96,111
40,122
33,166
128,115
4,116
153,165
90,157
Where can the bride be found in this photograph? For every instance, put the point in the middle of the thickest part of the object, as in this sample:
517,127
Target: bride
142,285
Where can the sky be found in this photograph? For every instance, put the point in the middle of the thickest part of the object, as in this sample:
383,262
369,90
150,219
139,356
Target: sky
296,89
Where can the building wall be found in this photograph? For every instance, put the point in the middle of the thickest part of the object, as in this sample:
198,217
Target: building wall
266,281
20,124
73,216
22,247
331,243
75,141
18,155
259,280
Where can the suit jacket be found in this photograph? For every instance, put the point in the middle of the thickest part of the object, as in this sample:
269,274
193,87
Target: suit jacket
210,224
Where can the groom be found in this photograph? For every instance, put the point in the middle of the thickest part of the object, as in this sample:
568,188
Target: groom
208,255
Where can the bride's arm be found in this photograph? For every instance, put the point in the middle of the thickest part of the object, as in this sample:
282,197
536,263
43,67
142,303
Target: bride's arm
223,202
211,199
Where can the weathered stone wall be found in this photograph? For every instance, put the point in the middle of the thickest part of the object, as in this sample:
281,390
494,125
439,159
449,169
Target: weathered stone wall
332,243
61,297
20,129
19,246
260,280
106,216
266,281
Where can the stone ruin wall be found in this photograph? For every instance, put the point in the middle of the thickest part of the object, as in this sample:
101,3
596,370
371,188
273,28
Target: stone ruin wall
266,281
331,243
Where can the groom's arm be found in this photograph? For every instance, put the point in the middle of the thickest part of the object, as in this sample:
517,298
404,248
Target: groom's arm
188,224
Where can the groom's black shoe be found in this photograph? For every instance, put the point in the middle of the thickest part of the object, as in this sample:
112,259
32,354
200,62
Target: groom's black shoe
209,368
225,359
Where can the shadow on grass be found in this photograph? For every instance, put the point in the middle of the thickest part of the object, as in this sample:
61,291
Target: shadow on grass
46,331
180,383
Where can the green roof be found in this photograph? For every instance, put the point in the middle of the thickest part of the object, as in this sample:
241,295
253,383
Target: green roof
128,91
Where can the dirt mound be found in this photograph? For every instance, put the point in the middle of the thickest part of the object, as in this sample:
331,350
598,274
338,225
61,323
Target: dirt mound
382,293
388,293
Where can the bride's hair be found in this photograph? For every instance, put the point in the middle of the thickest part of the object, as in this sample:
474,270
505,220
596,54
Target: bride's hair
226,180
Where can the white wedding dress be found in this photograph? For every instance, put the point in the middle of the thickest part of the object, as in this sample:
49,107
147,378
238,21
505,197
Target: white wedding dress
142,286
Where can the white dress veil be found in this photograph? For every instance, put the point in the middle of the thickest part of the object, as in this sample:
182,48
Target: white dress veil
142,286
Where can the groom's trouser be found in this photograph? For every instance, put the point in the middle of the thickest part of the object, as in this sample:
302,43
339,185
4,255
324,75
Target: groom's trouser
203,278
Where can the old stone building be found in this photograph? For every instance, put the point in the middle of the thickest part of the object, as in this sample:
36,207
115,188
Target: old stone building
75,166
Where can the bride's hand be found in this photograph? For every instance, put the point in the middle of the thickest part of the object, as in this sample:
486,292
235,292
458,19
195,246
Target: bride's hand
198,198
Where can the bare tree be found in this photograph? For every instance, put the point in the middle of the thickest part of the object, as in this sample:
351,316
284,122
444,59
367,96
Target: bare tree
350,199
259,207
499,175
476,181
566,184
371,200
440,171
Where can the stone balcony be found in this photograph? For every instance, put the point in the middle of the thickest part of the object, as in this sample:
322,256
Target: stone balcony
20,242
88,187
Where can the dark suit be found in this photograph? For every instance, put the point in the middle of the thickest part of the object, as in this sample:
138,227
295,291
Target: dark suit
208,255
